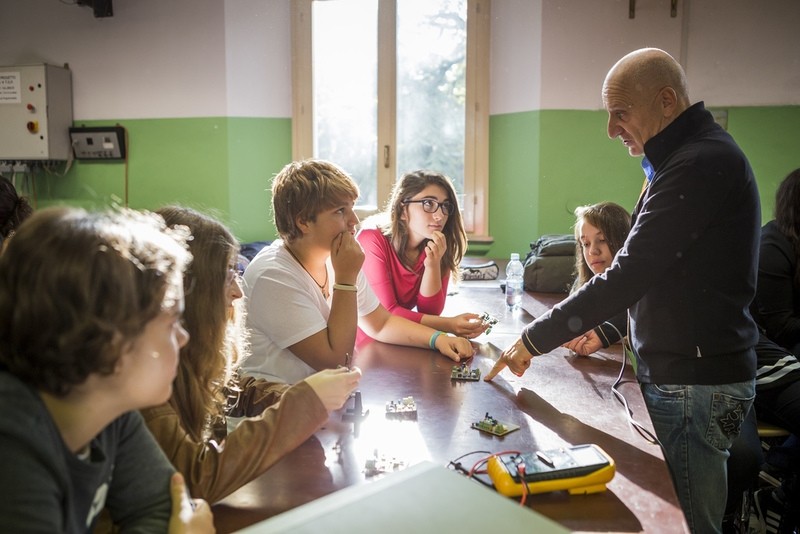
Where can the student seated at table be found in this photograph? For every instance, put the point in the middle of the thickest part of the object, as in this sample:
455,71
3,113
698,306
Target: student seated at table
776,308
306,294
191,427
90,309
600,231
412,250
776,402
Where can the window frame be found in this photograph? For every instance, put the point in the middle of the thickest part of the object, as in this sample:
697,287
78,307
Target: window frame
476,135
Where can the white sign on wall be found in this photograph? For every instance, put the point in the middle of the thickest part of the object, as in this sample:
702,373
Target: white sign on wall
9,88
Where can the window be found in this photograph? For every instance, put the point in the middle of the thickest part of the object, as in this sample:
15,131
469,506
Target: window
395,86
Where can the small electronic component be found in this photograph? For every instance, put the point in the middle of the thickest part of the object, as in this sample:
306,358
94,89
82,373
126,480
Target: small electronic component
357,412
463,372
488,319
380,464
404,408
580,469
492,426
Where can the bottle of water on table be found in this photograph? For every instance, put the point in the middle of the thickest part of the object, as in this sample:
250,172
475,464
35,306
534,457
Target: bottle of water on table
514,272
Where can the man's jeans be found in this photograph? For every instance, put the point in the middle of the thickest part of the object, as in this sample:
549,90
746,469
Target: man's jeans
696,425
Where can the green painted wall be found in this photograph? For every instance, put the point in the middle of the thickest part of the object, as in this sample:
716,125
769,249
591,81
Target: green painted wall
770,137
219,165
542,165
257,150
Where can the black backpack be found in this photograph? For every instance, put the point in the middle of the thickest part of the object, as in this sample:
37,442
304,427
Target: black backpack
550,265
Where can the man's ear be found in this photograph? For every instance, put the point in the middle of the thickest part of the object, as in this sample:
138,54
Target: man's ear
668,99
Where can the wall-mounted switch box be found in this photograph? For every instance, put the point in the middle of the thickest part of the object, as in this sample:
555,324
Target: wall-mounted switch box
98,142
35,112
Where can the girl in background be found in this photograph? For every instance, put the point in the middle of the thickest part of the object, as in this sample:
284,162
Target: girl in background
191,428
600,231
776,307
413,249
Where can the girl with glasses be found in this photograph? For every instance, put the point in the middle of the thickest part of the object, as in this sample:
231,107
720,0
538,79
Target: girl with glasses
412,251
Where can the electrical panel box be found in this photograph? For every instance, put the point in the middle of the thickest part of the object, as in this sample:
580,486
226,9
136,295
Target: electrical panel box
98,142
35,112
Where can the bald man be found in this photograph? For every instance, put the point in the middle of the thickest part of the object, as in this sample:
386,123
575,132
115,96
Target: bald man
686,275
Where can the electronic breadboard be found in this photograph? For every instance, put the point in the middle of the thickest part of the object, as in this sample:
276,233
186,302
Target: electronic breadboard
580,469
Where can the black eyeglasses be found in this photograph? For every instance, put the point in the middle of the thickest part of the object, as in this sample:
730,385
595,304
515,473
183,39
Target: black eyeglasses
432,206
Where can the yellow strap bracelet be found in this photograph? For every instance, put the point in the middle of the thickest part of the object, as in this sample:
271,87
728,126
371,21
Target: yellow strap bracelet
345,287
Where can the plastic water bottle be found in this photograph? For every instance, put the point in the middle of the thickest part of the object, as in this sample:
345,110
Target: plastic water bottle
514,272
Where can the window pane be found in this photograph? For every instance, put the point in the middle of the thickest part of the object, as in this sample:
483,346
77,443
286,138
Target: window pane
345,89
431,86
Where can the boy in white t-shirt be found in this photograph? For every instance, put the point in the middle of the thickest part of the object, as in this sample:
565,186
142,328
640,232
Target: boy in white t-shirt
306,294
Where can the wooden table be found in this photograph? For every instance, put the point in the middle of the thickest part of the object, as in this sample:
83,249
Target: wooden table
562,400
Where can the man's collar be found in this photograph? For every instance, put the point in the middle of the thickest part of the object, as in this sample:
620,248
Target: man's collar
675,133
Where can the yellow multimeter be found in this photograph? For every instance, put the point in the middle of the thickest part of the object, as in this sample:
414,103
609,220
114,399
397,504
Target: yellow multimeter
578,469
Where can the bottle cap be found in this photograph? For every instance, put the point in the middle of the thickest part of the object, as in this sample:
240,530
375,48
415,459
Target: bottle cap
514,256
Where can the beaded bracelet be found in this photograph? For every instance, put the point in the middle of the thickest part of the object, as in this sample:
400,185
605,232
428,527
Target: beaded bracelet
432,342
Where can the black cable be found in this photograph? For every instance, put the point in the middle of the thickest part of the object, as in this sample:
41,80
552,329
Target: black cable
456,465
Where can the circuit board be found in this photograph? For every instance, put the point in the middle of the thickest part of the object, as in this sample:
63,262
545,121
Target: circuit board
491,425
489,321
381,464
404,408
463,372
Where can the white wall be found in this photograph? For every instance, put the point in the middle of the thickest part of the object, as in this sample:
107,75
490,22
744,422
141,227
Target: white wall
516,53
735,52
153,58
201,58
259,58
744,52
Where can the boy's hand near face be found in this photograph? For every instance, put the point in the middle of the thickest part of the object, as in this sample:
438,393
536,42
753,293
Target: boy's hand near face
346,258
